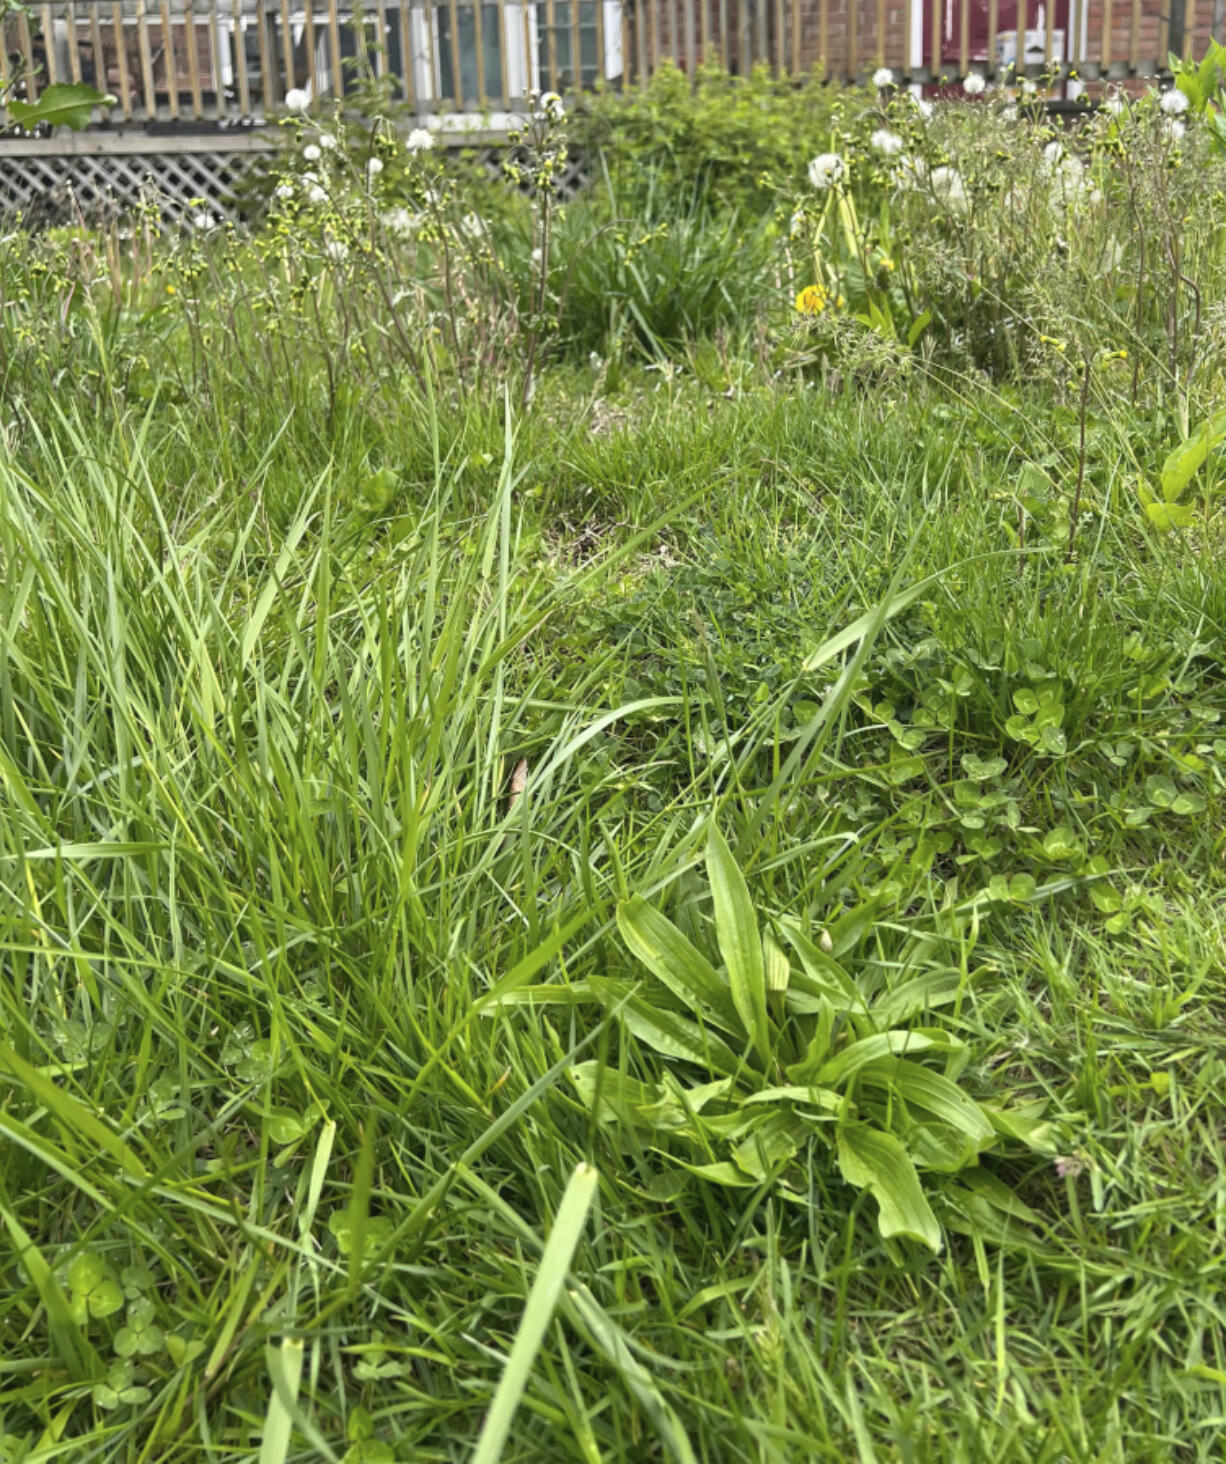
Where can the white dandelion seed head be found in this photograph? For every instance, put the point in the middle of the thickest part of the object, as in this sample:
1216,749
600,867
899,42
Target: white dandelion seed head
421,139
826,170
1115,105
1009,113
400,222
924,107
974,85
311,153
1029,88
297,100
327,141
471,225
284,190
336,250
552,107
883,77
374,167
1173,129
887,143
1173,102
537,256
316,194
947,185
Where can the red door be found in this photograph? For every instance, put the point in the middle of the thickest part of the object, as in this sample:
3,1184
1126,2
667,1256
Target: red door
1006,32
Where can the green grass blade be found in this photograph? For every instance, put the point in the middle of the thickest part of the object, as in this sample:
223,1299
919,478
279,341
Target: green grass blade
538,1313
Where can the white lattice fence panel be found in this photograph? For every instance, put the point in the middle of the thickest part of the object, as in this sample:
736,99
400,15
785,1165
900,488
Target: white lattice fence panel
51,190
185,187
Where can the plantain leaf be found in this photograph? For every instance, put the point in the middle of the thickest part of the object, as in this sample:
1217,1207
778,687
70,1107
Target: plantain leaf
673,1035
877,1162
921,1088
1182,464
670,958
883,1044
739,942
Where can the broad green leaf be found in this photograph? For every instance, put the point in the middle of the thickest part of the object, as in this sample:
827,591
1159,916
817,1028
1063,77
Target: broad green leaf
869,1159
922,1088
538,1314
672,959
920,994
1167,516
736,930
770,1143
722,1173
63,104
778,968
673,1035
822,976
879,1045
1183,463
825,1098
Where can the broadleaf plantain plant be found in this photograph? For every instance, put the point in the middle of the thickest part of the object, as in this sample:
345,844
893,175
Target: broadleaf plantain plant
780,1047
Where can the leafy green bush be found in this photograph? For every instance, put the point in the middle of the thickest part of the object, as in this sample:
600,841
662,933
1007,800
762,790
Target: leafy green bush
722,138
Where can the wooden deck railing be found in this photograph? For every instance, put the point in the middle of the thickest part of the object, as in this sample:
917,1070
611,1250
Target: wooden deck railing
211,61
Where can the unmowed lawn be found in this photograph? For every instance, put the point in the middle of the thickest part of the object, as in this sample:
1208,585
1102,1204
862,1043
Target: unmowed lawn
319,789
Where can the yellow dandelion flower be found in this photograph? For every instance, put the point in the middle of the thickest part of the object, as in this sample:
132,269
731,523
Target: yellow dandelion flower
812,300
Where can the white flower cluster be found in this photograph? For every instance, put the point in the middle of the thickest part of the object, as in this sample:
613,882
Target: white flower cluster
826,170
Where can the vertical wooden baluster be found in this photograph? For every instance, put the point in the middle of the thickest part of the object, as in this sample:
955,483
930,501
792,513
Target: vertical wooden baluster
287,49
725,40
624,11
691,39
1164,36
381,47
640,41
575,68
457,80
1072,39
964,36
1134,38
121,61
551,44
53,69
602,65
146,61
95,40
4,73
704,30
744,46
528,15
27,52
993,27
240,61
935,39
193,58
336,72
853,40
1022,23
795,69
170,69
881,32
219,92
763,41
907,59
74,56
406,52
479,45
1189,27
823,32
780,40
308,41
268,75
1105,63
1049,36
